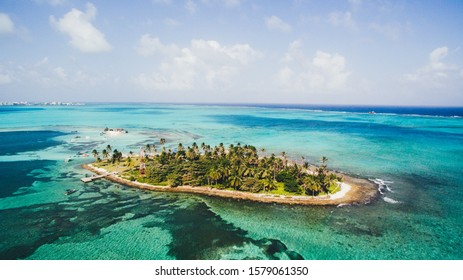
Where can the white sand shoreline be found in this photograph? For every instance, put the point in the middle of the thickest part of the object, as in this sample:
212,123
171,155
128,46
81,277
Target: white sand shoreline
349,194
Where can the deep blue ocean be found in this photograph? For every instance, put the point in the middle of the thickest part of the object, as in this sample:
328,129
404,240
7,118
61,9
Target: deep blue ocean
419,150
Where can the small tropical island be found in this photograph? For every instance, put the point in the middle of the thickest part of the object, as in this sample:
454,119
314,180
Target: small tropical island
237,171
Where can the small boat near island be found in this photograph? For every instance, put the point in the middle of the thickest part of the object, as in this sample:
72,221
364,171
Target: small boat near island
70,191
114,131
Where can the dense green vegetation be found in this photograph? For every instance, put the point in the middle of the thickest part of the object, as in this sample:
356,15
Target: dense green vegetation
236,167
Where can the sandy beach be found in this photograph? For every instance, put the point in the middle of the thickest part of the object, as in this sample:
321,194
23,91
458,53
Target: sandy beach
353,191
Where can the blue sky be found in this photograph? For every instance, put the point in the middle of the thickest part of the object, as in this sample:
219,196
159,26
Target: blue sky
314,52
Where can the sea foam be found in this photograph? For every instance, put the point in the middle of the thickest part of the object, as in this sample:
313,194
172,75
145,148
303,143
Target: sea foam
390,200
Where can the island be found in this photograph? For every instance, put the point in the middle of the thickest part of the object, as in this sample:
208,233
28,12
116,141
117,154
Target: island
237,172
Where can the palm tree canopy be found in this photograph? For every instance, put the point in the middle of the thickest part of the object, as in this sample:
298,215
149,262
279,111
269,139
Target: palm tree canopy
239,167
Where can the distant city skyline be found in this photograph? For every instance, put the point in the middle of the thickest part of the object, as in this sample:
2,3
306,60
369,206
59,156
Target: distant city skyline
233,51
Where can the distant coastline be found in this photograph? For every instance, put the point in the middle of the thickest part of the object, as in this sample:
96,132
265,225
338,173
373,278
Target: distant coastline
411,110
52,103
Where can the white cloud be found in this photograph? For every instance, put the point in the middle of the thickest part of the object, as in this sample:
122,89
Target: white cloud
6,24
391,30
275,23
294,52
5,79
46,74
436,73
149,45
324,71
6,75
170,22
56,2
232,3
227,3
355,3
60,73
191,6
343,19
51,2
84,36
202,65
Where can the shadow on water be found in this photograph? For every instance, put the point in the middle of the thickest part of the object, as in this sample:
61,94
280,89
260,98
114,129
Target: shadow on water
25,229
13,142
198,233
16,175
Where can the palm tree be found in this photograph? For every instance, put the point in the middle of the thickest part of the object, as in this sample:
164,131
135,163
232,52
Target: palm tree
105,154
148,148
203,146
190,154
235,180
247,171
109,149
95,153
162,141
313,184
269,184
263,151
324,161
224,173
334,182
117,156
283,154
214,175
305,165
195,149
263,173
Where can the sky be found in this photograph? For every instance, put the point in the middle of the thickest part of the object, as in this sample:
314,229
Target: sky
360,52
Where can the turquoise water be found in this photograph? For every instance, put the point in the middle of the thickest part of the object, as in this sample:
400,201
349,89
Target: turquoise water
419,149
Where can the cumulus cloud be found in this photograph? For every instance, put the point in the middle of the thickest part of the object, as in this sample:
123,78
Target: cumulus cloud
202,65
227,3
232,3
355,3
5,79
436,73
294,52
84,36
275,23
191,6
343,19
149,45
46,74
5,76
6,24
170,22
51,2
392,30
324,71
60,73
